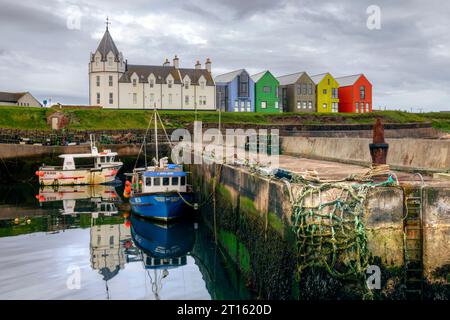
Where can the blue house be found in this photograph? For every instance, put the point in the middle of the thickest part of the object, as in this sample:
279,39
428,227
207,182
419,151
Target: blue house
235,92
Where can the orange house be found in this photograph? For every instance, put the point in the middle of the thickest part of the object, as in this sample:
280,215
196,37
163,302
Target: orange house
355,94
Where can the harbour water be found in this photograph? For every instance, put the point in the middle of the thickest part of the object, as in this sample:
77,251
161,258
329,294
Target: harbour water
82,243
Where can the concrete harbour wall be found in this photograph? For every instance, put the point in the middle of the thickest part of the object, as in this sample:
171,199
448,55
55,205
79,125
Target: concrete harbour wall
403,153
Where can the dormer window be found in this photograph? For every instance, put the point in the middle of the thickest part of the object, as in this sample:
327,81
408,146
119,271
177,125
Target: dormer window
169,83
152,83
134,82
186,84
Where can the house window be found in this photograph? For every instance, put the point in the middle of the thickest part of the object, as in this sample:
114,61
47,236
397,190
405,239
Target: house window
243,85
98,98
276,105
263,104
249,108
236,105
186,85
110,81
334,93
110,98
324,91
134,98
362,92
310,89
170,98
266,89
152,83
304,104
98,81
367,107
175,181
324,106
309,104
357,107
298,104
304,88
134,82
186,99
335,107
299,90
169,84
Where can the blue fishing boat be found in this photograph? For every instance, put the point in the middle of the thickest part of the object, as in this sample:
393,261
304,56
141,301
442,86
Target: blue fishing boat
160,191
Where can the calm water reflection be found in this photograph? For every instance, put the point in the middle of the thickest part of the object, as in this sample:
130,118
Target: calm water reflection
51,240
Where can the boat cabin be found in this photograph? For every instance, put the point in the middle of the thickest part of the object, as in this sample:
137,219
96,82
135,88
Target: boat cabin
155,179
103,159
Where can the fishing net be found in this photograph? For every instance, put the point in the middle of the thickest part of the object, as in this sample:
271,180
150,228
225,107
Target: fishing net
327,221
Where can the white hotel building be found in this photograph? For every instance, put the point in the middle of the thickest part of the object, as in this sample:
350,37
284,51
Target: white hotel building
113,83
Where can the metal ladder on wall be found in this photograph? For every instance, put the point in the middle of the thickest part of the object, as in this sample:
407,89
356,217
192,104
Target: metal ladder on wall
413,247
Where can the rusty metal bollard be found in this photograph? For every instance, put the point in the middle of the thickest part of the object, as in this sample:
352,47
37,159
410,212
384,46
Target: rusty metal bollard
379,147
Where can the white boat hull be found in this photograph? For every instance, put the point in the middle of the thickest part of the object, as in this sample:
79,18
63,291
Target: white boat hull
51,177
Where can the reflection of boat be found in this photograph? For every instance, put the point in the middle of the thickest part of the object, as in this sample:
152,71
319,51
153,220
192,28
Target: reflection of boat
95,200
162,247
159,191
101,168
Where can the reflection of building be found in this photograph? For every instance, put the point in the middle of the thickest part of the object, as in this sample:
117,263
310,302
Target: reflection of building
107,250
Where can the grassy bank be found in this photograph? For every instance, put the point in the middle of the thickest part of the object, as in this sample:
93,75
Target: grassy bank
36,118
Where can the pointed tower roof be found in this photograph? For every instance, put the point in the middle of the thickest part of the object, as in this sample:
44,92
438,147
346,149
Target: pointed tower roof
106,45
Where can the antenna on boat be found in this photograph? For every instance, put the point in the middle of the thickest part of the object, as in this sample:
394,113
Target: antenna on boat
156,132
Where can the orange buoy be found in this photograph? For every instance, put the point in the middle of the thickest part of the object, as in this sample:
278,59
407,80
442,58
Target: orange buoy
126,215
16,220
126,195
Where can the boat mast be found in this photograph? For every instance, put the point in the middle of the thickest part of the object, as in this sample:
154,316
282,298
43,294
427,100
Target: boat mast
156,134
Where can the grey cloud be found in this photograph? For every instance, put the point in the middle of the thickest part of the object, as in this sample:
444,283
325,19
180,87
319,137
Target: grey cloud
408,55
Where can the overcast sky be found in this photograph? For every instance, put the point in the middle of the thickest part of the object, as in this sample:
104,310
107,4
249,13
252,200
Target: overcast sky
43,51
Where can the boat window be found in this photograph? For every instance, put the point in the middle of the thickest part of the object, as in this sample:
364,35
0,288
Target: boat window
156,181
183,181
166,181
148,182
175,181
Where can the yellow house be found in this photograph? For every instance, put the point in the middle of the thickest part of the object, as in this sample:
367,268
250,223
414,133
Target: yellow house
327,88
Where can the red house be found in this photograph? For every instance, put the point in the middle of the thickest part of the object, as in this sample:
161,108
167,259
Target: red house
355,94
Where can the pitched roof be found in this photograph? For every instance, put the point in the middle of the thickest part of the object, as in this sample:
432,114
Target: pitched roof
106,45
12,97
195,74
318,77
290,78
258,76
348,80
228,77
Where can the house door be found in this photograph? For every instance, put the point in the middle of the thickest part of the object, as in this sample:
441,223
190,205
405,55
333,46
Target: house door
55,123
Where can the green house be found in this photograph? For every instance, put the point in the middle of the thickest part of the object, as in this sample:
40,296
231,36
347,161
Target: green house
266,92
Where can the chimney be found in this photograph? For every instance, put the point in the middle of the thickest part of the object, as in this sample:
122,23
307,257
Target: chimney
208,65
198,65
176,62
166,63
